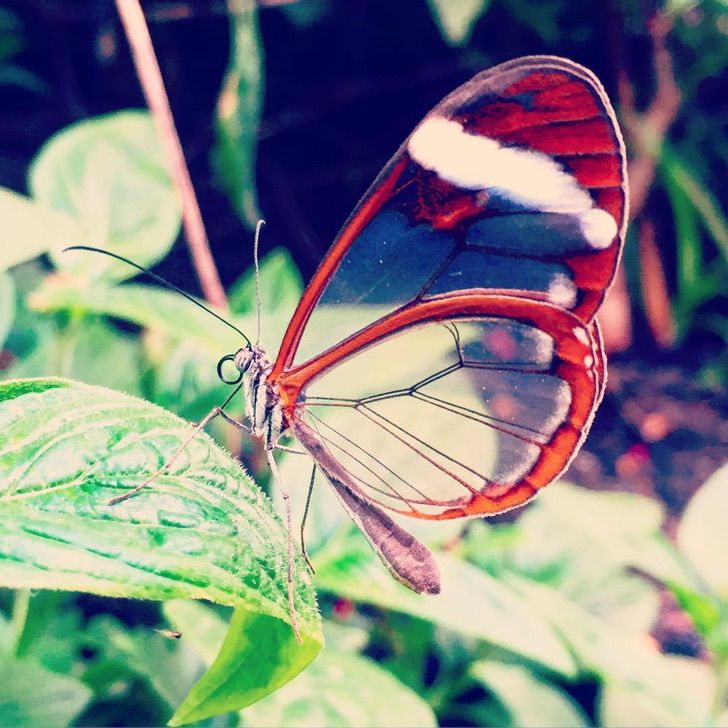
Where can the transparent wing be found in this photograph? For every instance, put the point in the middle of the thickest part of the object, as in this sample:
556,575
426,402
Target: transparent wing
458,413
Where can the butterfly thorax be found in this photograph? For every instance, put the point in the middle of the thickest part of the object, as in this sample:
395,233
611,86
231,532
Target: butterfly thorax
263,407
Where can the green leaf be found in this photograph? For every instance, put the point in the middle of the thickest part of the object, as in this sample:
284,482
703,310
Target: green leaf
702,535
675,7
39,623
281,286
238,114
257,657
620,658
542,19
22,704
169,666
31,228
624,705
583,542
110,177
530,701
705,203
687,237
457,18
8,635
200,530
89,350
341,689
245,669
471,602
155,308
200,625
7,305
304,15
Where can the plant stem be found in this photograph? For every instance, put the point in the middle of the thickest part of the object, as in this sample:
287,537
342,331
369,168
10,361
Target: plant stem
150,77
21,603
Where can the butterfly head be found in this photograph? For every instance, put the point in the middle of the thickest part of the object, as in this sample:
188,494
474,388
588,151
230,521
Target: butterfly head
248,360
244,358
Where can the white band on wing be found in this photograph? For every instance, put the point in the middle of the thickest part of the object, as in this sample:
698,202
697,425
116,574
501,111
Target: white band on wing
527,177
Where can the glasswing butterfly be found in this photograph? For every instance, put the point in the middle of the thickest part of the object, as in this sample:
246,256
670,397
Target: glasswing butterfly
461,290
452,321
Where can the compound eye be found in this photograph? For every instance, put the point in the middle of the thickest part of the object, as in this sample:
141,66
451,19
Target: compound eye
243,359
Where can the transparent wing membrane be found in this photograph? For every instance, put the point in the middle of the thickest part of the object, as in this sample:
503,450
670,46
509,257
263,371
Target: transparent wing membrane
513,183
436,417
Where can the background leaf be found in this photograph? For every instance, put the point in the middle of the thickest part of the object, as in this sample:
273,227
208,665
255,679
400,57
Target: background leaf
63,697
624,705
530,702
150,306
164,663
587,557
702,535
342,689
471,602
91,351
108,174
281,286
620,658
31,228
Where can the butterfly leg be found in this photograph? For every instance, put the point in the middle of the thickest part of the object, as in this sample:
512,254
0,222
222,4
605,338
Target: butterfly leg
291,450
209,417
305,516
289,525
218,411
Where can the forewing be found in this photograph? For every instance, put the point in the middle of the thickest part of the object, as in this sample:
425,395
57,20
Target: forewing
463,406
515,183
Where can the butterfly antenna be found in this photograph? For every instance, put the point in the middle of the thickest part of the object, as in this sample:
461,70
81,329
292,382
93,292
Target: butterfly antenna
257,275
162,281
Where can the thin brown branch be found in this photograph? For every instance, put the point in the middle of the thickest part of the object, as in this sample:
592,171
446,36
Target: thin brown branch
654,287
150,77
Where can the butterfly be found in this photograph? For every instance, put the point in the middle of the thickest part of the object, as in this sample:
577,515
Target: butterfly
452,321
445,360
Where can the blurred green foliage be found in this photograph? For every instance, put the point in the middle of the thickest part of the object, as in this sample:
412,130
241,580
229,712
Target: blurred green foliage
544,621
12,42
